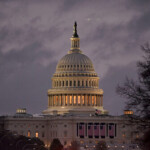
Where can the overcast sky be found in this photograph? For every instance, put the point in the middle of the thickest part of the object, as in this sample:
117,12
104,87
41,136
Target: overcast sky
34,35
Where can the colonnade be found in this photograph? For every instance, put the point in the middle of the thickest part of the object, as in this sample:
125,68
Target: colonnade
96,130
75,100
75,83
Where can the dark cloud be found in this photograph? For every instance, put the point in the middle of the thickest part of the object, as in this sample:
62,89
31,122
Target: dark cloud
34,35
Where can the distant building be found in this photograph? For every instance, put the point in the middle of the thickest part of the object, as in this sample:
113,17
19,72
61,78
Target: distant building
75,108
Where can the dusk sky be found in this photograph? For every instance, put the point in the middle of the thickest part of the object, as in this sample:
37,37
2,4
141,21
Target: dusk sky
35,35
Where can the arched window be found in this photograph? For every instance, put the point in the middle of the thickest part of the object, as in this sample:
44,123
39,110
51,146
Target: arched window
63,83
74,83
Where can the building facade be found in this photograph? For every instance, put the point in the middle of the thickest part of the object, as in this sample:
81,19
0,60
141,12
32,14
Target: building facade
75,108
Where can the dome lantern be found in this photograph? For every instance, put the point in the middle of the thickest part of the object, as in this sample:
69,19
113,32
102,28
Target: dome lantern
75,40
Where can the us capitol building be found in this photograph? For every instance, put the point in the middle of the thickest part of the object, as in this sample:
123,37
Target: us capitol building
75,108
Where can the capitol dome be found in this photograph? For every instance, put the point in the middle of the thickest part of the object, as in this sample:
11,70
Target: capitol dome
75,84
75,61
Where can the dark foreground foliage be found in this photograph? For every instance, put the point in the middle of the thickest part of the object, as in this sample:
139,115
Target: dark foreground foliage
10,141
101,145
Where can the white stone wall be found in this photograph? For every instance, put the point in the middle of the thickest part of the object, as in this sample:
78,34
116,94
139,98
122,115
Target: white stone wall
65,128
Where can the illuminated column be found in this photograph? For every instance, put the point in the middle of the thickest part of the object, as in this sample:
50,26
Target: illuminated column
94,100
98,100
48,100
63,100
86,100
72,98
76,99
81,100
90,100
58,102
67,100
54,100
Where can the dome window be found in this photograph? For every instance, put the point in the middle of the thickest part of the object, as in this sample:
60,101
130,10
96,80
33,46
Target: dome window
70,83
78,83
66,83
86,83
82,83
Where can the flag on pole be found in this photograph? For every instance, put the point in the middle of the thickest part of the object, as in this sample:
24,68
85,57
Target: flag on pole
98,112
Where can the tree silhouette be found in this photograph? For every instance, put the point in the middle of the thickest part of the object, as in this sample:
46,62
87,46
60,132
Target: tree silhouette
10,141
138,95
138,92
56,145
